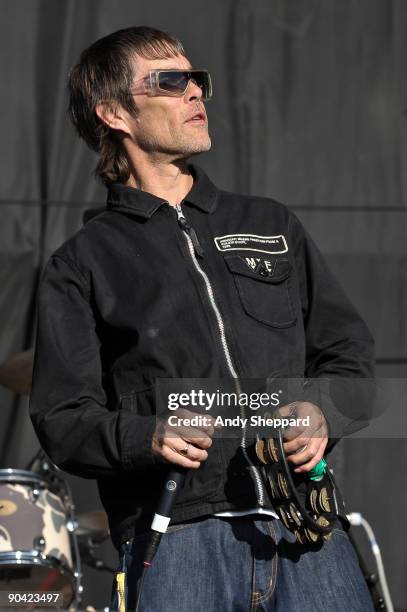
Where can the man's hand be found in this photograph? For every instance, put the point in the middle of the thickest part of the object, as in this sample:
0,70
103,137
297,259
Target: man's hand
304,446
185,446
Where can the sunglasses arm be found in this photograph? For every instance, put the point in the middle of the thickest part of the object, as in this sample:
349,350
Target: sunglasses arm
144,86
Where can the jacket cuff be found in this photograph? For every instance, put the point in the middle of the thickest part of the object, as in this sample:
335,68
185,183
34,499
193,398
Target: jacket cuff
136,433
345,402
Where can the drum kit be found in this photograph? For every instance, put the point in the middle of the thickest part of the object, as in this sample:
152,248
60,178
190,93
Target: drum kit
43,543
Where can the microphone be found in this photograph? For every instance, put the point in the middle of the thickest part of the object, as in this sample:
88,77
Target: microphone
162,517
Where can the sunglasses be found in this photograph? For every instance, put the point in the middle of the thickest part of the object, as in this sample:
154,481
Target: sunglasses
174,83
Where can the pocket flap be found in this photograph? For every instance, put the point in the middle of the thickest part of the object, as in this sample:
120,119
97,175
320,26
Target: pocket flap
266,269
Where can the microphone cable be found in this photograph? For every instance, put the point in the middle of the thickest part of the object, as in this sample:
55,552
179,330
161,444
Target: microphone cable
357,519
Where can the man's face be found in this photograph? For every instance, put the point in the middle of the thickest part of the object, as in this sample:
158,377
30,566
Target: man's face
173,126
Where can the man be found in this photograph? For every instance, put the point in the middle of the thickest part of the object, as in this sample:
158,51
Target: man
178,280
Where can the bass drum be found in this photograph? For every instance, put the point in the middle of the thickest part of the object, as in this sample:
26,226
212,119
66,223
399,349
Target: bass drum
35,545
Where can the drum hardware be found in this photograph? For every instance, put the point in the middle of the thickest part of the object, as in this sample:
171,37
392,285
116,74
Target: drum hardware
56,477
35,493
25,476
92,530
93,524
39,544
72,526
87,548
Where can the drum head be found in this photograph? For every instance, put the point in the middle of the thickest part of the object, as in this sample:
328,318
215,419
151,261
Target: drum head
27,573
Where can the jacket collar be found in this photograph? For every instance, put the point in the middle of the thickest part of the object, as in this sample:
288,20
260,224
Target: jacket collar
203,195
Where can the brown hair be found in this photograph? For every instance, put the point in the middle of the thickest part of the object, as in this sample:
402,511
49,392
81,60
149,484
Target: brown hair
105,73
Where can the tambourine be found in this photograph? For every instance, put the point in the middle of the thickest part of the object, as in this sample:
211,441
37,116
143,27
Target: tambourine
311,521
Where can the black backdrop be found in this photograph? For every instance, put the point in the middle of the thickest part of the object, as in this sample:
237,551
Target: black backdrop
309,108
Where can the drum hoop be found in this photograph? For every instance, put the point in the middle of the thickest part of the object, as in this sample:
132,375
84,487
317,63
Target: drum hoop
12,476
33,557
41,560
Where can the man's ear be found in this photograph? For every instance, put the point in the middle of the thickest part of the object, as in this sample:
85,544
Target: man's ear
112,115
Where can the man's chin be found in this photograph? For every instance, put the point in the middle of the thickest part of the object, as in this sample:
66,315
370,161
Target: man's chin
189,151
201,147
201,150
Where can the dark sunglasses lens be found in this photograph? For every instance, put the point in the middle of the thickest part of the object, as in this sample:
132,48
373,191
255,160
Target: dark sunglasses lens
176,82
173,82
202,79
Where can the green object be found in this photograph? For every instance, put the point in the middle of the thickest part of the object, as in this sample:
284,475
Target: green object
318,470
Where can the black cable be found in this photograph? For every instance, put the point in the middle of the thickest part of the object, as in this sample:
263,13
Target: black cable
370,579
140,587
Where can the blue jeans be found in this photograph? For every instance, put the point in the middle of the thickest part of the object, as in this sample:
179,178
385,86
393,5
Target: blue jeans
244,565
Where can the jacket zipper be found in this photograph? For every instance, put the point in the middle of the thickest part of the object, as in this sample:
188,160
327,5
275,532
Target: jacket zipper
195,250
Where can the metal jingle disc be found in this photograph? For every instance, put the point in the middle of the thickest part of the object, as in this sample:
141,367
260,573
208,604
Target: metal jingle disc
267,455
323,500
313,496
272,449
324,523
261,451
295,515
273,488
311,535
283,485
284,517
321,520
299,536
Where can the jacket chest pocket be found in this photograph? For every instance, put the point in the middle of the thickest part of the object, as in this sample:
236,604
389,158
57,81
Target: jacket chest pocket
264,287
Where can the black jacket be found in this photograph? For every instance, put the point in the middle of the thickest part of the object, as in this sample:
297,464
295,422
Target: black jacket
123,303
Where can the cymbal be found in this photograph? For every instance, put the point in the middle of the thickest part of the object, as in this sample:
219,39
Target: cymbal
92,523
16,373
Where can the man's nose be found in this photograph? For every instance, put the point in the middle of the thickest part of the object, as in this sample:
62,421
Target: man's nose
193,91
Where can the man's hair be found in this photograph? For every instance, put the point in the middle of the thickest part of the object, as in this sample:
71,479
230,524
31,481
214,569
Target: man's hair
105,72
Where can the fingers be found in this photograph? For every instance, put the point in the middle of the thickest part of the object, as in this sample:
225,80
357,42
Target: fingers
194,436
309,418
295,445
186,449
306,467
200,436
169,451
170,455
183,445
310,456
206,422
305,446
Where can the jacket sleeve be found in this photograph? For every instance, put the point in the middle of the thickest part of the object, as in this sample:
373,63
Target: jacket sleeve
68,404
339,347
